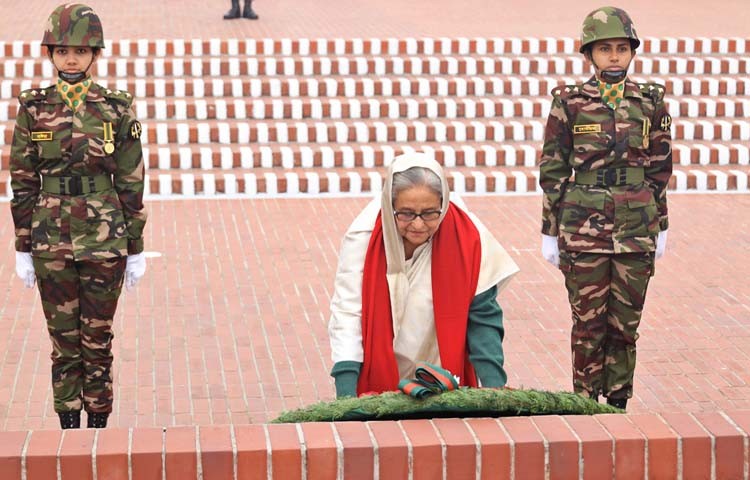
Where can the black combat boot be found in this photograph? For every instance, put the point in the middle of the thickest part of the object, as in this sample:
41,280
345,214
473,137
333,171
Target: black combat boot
248,11
70,419
97,420
234,12
620,403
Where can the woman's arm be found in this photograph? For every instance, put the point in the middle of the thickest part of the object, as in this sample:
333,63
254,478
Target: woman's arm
484,337
25,181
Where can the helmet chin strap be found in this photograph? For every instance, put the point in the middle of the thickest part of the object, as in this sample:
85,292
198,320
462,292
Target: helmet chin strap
73,78
610,76
613,76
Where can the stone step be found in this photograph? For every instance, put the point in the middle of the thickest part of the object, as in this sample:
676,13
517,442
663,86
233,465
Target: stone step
450,154
155,67
309,108
368,86
377,46
362,181
244,132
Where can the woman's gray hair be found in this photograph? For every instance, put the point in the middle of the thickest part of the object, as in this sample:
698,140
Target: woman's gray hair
414,177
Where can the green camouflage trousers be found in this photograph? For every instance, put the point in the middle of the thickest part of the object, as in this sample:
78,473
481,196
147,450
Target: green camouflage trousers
606,294
79,300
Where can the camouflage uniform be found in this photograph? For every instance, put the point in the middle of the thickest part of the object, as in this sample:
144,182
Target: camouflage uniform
77,180
604,173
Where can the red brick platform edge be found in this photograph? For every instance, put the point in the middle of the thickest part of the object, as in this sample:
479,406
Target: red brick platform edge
670,445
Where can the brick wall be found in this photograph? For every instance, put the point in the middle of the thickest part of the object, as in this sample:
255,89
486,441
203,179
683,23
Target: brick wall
670,445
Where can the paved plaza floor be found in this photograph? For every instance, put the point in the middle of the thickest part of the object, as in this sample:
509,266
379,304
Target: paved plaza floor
229,323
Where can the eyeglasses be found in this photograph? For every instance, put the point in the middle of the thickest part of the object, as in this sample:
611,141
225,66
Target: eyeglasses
428,216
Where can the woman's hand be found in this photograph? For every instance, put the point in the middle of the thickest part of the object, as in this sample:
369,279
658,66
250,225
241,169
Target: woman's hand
25,269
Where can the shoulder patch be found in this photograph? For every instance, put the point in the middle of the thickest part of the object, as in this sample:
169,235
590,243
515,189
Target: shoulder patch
33,95
118,95
135,130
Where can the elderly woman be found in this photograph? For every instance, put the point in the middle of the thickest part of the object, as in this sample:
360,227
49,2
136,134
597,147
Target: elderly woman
417,280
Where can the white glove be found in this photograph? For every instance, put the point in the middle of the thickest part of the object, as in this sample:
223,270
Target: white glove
25,269
135,269
550,250
661,243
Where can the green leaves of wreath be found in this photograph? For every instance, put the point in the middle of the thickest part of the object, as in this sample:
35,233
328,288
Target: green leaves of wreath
466,402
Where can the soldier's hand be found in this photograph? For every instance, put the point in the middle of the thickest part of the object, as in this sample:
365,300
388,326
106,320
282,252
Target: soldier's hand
135,269
550,250
25,269
661,244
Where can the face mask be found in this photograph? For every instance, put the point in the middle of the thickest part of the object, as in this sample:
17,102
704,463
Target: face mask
613,76
72,78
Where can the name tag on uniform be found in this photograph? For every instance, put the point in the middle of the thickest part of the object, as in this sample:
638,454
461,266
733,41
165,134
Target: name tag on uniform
41,136
594,128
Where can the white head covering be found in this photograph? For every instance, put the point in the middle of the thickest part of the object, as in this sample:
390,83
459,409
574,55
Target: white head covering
409,282
394,243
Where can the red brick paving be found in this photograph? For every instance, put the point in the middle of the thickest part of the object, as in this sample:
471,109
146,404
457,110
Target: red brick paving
229,324
383,18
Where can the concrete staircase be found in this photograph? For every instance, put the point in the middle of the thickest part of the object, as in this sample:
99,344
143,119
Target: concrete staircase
322,117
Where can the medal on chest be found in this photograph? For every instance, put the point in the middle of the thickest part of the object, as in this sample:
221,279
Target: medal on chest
109,139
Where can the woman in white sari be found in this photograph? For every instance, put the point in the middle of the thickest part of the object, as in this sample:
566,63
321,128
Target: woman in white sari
417,280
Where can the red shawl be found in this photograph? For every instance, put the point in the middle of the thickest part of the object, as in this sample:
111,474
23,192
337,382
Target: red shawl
456,258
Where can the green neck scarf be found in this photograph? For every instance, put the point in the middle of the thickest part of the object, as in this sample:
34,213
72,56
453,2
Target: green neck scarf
74,95
612,93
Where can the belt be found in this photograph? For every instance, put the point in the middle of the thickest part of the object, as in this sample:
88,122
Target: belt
607,177
76,185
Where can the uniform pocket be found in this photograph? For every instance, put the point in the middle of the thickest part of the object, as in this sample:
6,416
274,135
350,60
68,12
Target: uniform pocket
567,267
582,210
50,149
45,223
640,215
105,218
589,145
638,137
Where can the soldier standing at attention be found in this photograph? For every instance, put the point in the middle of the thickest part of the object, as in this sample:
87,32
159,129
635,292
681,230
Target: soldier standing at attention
605,166
77,179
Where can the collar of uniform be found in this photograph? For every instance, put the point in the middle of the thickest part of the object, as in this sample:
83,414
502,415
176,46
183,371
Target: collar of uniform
96,93
632,89
591,88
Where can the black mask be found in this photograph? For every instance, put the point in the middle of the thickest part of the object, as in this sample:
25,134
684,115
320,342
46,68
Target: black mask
72,78
613,76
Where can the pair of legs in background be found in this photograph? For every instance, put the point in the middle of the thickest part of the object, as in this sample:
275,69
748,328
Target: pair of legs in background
606,294
79,300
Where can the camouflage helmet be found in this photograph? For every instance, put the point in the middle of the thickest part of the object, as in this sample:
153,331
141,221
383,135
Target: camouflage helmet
74,25
606,23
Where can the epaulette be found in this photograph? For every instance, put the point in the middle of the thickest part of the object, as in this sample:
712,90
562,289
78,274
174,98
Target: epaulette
564,91
118,95
654,91
34,95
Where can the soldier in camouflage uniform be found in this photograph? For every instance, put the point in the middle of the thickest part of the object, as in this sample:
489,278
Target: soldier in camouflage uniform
77,176
605,167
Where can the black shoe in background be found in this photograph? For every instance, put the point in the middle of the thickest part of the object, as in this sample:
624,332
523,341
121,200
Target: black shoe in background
248,11
233,12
